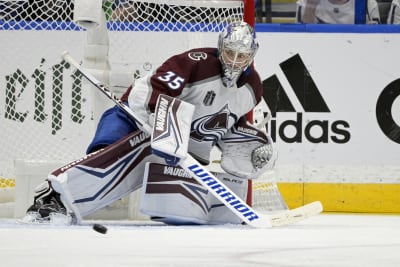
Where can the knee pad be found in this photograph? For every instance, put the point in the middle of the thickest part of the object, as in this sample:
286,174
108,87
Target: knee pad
113,125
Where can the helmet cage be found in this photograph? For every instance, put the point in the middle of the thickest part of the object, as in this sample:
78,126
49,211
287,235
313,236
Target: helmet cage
237,46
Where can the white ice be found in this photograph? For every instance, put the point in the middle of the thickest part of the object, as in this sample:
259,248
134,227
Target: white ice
347,240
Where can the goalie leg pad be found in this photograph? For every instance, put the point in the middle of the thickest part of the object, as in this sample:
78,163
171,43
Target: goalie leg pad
114,124
171,196
219,213
104,176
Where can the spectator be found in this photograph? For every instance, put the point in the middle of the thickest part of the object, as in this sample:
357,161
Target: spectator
394,13
334,11
258,9
125,10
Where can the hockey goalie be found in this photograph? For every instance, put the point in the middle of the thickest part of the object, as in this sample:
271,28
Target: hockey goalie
193,102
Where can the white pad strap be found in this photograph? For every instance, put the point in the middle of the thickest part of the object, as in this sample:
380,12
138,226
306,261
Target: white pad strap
171,130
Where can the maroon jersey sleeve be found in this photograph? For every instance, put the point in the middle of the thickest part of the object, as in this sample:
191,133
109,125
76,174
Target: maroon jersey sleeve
183,69
251,77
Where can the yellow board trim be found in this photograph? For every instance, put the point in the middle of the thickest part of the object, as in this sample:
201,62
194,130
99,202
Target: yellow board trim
335,197
342,197
7,182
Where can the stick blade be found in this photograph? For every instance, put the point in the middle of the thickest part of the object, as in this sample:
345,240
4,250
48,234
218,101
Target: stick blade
296,215
263,221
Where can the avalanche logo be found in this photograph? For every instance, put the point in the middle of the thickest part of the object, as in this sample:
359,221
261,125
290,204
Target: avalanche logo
212,127
310,99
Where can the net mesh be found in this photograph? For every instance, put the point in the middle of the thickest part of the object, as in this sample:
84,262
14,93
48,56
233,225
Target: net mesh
266,195
160,15
44,112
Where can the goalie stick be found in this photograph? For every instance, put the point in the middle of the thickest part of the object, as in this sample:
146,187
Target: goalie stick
203,176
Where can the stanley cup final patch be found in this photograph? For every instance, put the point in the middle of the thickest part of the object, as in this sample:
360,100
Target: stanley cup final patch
209,98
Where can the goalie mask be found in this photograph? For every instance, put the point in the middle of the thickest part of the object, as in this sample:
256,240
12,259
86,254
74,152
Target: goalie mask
237,46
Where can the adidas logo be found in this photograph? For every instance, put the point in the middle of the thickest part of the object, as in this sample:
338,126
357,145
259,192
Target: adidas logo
307,93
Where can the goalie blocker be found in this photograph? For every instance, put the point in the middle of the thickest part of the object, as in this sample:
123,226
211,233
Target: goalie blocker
171,130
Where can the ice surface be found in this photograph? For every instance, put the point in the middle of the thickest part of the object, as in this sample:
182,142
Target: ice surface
325,240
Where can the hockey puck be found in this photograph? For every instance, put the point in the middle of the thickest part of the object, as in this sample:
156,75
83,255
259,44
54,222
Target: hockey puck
100,228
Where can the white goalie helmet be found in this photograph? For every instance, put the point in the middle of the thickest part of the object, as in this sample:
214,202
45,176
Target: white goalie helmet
237,46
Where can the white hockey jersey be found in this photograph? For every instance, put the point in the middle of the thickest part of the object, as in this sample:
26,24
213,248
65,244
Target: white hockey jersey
195,77
394,13
330,13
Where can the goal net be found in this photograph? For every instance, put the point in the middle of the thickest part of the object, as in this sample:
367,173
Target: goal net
48,112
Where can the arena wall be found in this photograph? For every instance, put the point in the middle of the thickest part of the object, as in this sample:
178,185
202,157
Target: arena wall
334,96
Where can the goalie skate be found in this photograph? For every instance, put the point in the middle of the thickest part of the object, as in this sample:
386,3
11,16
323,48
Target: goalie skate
47,209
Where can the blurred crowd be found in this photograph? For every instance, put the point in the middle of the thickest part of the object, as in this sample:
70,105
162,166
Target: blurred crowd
327,11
